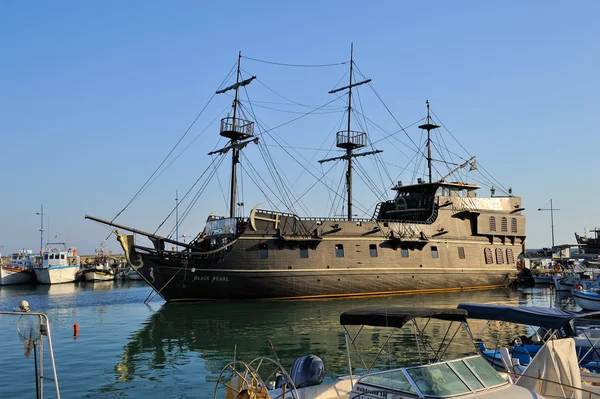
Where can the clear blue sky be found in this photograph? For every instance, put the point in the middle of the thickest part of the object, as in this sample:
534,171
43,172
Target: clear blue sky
94,95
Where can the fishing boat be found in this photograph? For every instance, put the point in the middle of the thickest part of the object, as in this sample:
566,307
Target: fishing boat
439,233
98,274
434,372
58,265
100,269
19,268
587,299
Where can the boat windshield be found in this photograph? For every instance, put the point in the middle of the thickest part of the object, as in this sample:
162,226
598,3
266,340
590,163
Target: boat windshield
444,379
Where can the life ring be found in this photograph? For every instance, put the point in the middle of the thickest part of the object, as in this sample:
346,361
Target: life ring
54,250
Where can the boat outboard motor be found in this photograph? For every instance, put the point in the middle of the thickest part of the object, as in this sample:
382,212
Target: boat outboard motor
307,371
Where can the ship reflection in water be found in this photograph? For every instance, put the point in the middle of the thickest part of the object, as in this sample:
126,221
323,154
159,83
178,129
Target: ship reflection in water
195,341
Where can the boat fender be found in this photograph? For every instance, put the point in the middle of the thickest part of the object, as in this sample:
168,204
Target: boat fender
579,287
307,371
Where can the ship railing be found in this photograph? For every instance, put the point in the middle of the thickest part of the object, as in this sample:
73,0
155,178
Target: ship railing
351,138
237,125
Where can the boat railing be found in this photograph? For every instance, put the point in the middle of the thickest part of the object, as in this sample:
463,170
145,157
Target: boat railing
32,327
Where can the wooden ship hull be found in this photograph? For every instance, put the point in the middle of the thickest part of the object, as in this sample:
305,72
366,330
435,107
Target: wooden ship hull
272,255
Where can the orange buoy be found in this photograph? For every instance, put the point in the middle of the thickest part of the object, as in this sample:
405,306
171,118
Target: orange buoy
75,329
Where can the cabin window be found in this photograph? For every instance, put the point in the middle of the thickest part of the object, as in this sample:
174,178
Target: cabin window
510,257
373,250
304,251
504,225
492,223
499,256
461,252
513,225
62,256
339,250
263,251
404,252
488,256
46,256
434,253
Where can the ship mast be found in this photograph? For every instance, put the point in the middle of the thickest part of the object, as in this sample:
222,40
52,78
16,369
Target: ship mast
348,139
237,130
429,126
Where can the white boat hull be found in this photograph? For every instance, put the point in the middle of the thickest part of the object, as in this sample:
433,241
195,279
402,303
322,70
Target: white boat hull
56,274
13,275
133,275
587,301
94,275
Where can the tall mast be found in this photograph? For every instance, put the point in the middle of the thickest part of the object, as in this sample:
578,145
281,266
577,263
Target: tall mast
349,149
429,127
348,139
235,129
235,154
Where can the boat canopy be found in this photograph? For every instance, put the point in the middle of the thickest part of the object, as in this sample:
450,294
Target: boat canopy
529,315
395,316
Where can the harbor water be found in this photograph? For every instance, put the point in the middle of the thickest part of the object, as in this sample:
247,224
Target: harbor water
125,348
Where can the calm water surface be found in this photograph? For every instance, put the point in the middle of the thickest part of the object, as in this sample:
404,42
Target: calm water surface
128,349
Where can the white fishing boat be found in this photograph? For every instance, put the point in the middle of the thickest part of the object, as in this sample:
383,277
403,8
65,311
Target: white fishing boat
587,299
98,274
18,270
58,265
433,375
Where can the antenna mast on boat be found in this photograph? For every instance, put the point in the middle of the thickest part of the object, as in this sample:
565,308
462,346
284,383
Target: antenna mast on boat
348,139
429,127
235,129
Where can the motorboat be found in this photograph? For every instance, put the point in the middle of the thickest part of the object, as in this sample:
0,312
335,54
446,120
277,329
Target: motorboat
587,299
546,324
431,370
98,274
58,265
18,270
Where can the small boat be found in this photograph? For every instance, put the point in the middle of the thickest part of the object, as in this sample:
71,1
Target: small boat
98,274
587,299
565,283
546,324
433,375
134,275
58,265
18,270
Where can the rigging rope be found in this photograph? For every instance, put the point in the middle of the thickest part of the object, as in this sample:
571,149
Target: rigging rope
296,65
170,152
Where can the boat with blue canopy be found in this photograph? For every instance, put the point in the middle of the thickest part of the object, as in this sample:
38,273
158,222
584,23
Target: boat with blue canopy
546,323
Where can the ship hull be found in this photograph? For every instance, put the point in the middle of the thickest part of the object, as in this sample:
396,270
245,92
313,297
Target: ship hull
13,275
56,274
310,284
282,256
